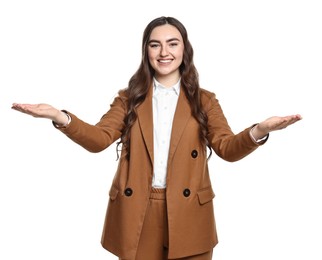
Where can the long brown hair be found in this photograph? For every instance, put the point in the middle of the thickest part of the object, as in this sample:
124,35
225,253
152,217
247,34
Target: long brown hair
141,81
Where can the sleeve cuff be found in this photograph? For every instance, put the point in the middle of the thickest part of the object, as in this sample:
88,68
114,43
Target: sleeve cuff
68,122
257,140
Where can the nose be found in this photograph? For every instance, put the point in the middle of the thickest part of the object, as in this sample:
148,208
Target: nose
164,51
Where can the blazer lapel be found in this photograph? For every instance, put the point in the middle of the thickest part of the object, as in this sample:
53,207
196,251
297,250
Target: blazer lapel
145,119
181,117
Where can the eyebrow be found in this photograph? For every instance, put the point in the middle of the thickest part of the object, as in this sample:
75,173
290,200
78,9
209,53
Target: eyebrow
169,40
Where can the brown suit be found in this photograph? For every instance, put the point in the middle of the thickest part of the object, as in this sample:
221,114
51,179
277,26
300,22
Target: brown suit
189,193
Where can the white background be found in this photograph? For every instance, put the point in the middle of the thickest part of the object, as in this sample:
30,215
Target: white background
261,58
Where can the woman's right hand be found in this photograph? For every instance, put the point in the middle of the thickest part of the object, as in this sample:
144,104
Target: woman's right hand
42,111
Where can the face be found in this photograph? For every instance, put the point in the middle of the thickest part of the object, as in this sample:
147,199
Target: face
165,51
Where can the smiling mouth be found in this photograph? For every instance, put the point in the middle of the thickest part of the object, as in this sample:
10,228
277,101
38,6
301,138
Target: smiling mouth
165,61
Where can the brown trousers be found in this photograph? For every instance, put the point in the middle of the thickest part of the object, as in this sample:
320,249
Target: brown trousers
153,244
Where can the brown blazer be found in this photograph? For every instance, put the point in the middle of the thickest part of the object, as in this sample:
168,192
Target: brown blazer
189,193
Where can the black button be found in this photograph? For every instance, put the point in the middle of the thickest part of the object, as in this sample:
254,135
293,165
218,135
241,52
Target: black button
194,153
128,192
186,192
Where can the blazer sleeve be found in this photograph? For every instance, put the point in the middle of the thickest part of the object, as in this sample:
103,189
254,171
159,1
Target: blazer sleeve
98,137
225,143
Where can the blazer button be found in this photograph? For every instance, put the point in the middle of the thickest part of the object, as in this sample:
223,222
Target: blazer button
186,192
128,192
194,154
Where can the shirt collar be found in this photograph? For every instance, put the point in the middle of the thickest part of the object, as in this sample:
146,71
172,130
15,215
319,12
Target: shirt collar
157,86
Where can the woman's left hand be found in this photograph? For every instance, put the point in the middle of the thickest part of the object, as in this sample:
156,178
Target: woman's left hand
274,123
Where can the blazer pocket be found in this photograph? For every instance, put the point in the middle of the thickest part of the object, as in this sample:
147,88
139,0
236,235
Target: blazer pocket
113,193
205,195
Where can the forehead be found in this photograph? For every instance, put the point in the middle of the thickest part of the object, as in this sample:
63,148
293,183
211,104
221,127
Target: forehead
164,32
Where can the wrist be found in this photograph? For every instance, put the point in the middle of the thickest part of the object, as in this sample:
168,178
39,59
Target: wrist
63,119
257,134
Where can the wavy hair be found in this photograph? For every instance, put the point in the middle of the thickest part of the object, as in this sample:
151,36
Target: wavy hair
142,79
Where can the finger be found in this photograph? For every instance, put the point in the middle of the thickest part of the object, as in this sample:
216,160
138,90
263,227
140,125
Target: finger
25,108
288,121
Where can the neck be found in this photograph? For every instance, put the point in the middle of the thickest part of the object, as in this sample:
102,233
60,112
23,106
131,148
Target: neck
168,80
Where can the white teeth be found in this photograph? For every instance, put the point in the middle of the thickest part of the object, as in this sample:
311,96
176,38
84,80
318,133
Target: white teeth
164,61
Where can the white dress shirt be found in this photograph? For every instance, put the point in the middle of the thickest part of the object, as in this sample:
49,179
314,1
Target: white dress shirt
164,106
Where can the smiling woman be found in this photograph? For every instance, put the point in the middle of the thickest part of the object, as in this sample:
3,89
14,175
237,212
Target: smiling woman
160,201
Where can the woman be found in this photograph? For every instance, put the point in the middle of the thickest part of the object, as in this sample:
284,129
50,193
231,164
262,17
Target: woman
160,203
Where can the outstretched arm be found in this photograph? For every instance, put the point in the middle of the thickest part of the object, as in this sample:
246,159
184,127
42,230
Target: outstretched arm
92,137
272,124
43,111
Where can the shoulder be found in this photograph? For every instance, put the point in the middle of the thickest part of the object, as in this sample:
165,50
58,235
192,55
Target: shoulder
207,97
120,99
206,94
122,93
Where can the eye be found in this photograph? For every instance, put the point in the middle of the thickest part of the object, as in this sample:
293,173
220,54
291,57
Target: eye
154,45
173,44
